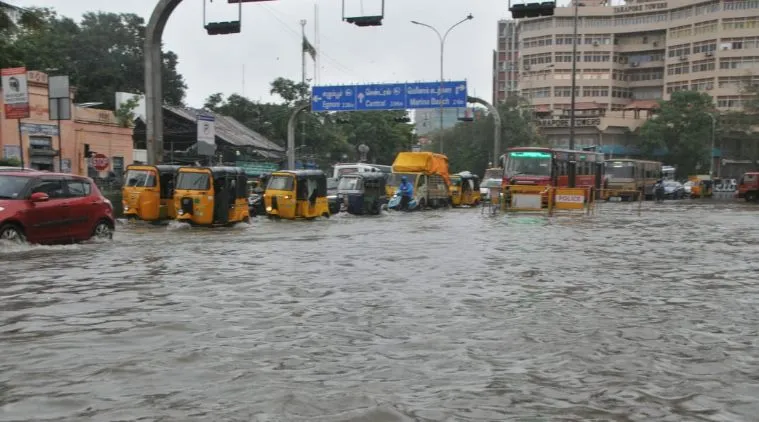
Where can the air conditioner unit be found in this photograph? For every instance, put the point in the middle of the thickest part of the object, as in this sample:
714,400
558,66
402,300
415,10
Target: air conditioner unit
595,43
708,54
634,64
656,43
683,58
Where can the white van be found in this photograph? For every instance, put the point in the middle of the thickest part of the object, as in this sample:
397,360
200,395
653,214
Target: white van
342,169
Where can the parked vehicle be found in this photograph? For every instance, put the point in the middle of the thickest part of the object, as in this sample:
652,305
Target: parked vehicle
702,186
332,200
748,187
148,192
673,190
362,193
43,207
293,194
212,196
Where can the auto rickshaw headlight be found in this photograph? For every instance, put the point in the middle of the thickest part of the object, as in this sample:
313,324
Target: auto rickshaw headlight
288,196
268,209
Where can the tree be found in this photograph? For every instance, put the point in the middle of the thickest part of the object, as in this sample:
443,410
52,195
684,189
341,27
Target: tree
682,130
102,55
469,145
289,90
125,112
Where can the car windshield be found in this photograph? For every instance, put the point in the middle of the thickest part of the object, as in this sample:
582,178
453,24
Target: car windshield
455,181
493,174
395,179
193,181
529,163
620,169
11,187
281,182
332,183
672,184
349,183
140,178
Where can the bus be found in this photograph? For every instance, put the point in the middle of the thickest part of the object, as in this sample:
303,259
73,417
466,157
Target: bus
628,178
550,166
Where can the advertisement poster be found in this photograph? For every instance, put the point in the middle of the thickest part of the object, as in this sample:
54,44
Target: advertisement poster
15,93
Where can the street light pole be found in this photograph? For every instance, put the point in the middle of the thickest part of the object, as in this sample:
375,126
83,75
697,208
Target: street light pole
711,151
442,39
572,162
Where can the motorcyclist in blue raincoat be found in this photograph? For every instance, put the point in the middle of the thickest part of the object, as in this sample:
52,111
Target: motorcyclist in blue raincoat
407,192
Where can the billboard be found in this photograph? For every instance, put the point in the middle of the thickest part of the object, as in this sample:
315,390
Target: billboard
15,93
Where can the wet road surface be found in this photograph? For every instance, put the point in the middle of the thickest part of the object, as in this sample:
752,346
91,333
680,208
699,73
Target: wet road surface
435,316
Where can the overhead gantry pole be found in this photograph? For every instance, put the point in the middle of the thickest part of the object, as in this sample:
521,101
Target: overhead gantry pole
496,121
153,79
291,134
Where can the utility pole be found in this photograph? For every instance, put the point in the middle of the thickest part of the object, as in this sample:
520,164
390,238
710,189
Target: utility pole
303,79
572,162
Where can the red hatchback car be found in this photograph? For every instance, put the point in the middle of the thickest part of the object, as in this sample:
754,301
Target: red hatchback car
42,207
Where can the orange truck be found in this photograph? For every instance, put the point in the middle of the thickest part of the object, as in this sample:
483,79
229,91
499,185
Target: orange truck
748,187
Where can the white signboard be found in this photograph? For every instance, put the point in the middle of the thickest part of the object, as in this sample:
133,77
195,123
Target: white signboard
570,199
206,135
15,93
526,201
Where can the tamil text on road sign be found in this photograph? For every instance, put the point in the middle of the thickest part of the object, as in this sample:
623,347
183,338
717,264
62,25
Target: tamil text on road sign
15,93
400,96
206,135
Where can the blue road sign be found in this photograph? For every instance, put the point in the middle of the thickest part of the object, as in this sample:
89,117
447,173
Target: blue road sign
400,96
333,98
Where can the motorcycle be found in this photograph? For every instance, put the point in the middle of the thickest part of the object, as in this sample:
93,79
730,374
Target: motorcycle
256,204
395,202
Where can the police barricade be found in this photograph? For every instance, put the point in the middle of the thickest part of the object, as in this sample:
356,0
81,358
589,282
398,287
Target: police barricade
572,199
526,198
632,196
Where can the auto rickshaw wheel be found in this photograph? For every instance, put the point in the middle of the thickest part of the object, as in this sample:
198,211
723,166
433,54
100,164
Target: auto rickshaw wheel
325,215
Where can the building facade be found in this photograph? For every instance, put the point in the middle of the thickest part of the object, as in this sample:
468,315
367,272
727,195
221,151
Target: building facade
629,56
43,147
506,67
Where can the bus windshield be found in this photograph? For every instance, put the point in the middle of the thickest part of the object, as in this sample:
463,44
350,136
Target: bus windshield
529,163
620,169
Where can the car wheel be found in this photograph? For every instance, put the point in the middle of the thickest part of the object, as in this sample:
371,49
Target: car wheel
103,230
12,233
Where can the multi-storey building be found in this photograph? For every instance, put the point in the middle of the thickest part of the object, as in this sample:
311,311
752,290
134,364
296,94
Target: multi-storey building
630,56
506,61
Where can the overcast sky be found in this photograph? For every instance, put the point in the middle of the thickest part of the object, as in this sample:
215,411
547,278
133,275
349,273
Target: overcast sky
270,43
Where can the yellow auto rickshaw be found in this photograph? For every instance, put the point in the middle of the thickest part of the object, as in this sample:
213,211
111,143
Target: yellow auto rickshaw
212,196
465,189
292,194
148,192
702,187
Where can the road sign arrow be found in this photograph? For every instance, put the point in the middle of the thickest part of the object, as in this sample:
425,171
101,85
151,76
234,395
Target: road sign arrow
360,97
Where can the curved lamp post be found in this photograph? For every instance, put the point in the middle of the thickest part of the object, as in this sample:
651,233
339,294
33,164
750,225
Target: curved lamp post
442,39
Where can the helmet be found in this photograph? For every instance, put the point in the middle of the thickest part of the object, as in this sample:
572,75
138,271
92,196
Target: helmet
404,179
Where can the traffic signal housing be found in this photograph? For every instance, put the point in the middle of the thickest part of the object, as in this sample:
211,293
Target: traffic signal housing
223,28
532,10
365,21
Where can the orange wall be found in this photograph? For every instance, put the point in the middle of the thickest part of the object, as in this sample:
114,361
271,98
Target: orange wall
95,127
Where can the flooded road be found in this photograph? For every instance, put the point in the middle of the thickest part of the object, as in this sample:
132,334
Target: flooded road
435,316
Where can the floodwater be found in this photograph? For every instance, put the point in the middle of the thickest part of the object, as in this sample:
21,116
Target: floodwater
436,316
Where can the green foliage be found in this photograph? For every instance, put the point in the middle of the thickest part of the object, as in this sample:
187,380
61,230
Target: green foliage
125,112
327,140
102,55
469,145
10,162
682,128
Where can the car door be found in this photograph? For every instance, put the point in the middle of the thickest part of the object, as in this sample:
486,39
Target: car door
83,207
48,221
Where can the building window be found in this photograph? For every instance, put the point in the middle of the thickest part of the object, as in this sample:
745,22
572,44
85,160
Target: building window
681,13
704,46
707,27
596,57
118,167
678,69
621,92
565,91
739,62
703,65
702,84
740,23
602,39
41,143
705,9
741,4
680,32
566,57
595,91
679,50
535,59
